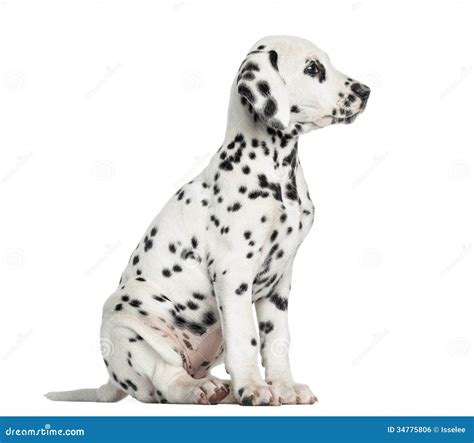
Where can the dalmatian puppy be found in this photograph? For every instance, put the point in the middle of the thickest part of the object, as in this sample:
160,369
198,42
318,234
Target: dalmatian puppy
225,241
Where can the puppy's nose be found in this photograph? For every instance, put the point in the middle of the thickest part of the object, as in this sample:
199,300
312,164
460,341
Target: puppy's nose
361,91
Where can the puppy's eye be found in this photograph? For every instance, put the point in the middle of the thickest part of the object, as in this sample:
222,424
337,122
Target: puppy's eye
312,69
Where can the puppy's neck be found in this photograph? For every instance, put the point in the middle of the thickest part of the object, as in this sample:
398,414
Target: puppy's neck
279,146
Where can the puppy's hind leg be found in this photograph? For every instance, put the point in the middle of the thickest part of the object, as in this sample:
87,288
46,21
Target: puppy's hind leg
174,385
149,368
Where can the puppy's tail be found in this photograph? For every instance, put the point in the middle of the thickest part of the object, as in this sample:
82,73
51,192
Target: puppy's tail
106,393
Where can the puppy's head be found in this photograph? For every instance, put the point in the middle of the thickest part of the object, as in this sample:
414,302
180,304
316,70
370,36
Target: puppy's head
287,79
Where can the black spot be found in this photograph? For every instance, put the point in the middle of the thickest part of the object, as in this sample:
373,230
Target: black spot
191,305
243,189
247,401
245,91
125,298
161,298
248,76
295,109
118,307
177,268
280,302
249,255
270,107
264,88
209,318
148,244
198,296
172,248
135,303
235,207
255,194
136,259
250,66
246,169
242,288
196,328
266,326
166,272
274,235
253,342
273,59
131,384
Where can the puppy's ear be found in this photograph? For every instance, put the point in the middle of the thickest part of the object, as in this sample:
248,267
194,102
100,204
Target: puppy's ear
261,86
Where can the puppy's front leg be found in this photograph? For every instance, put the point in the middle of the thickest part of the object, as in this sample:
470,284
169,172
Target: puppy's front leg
272,313
234,296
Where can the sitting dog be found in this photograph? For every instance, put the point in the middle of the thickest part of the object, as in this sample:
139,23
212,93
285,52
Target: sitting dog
226,240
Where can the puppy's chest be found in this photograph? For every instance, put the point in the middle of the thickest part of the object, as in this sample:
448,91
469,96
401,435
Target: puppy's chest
286,233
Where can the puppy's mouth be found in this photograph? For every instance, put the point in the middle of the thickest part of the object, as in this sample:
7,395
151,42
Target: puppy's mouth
346,120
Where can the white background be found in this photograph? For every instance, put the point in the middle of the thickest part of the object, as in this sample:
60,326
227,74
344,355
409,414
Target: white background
107,107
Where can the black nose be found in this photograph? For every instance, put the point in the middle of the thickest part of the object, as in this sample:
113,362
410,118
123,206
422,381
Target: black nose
361,91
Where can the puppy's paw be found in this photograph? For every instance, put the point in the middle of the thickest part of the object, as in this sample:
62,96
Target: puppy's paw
257,394
293,393
210,391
